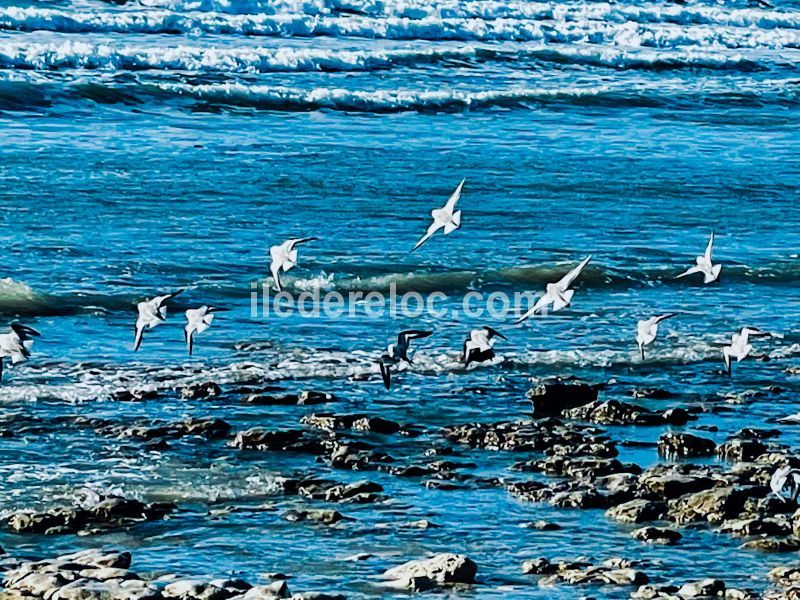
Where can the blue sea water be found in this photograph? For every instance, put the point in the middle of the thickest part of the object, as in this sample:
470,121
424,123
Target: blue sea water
167,144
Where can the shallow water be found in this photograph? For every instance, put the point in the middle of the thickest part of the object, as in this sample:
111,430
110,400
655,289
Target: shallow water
167,144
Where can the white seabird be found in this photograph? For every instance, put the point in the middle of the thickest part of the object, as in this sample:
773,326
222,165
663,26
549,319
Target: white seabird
399,351
740,346
786,478
151,313
16,344
447,218
197,321
704,265
558,294
479,346
647,330
284,257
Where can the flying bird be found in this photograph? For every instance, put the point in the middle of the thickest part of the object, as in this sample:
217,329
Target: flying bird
740,346
16,344
704,265
479,346
786,478
399,351
284,257
647,330
447,218
151,313
558,294
197,321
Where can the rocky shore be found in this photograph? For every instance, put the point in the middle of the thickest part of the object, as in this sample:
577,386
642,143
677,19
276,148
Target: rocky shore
566,456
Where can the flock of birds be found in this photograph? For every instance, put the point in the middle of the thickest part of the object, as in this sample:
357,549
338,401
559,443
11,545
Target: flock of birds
477,348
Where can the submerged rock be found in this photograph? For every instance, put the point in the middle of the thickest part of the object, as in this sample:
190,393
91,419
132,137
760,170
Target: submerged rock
438,570
657,535
108,512
357,422
208,389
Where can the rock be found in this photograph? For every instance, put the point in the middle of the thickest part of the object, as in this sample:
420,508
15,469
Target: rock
656,535
553,397
652,393
785,575
291,440
637,511
773,544
738,450
209,389
134,395
317,596
357,422
684,445
191,589
107,512
707,588
276,589
754,526
714,505
442,569
324,516
542,526
670,485
614,412
358,492
539,566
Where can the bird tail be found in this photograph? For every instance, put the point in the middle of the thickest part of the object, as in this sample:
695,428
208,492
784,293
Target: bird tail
454,223
563,300
715,270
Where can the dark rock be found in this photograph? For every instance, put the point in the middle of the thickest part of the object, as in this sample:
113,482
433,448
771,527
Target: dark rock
656,535
637,511
134,395
553,397
323,516
715,505
707,588
684,445
209,389
738,450
440,569
358,422
652,394
773,544
293,440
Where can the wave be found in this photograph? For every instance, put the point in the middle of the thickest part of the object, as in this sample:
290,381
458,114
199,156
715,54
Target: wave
81,55
49,56
18,298
614,27
75,383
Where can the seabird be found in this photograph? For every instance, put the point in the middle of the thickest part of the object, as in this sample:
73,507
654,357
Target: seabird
647,330
284,257
399,351
197,321
16,344
558,294
704,265
786,478
740,346
151,313
447,218
479,346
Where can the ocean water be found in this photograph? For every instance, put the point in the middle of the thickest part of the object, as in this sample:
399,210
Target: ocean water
167,144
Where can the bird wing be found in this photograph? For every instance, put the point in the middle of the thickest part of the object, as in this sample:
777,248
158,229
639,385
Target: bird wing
137,340
275,269
162,300
23,331
411,334
433,228
540,303
690,271
386,375
190,341
493,332
456,195
664,317
709,248
567,280
294,242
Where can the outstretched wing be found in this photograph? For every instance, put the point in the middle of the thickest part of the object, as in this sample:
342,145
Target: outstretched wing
709,248
455,197
411,334
23,331
433,228
664,317
540,303
162,300
295,242
137,340
386,375
567,280
690,271
493,332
